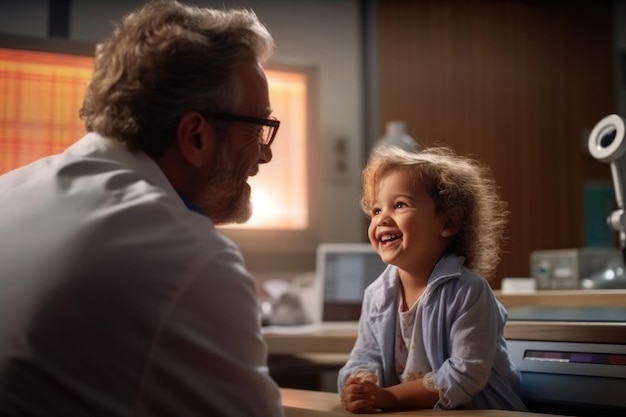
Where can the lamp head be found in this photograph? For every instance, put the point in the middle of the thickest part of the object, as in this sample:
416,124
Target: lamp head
606,141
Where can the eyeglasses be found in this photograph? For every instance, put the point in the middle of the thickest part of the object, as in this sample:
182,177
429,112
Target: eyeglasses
269,127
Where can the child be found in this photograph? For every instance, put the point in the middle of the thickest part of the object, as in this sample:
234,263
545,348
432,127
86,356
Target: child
431,329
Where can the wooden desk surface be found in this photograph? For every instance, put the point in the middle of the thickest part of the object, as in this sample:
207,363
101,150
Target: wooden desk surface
311,341
564,298
302,403
342,341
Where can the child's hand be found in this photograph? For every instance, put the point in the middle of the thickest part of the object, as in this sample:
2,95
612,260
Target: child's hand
362,376
358,395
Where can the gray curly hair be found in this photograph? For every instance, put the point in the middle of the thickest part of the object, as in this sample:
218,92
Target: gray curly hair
164,60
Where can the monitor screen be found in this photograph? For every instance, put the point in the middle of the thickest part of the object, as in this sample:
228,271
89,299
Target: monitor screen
346,270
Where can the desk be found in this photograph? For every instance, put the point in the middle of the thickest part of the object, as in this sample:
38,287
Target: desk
340,340
328,346
563,298
319,353
303,403
310,339
335,341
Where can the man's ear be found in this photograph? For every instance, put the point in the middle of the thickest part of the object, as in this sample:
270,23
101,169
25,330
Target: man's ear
195,139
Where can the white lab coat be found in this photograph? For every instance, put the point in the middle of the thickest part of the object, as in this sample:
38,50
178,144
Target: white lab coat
117,300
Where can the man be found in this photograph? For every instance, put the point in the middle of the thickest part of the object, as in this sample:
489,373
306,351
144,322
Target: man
118,297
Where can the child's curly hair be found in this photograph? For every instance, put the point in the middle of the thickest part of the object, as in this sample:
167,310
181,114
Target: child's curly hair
463,191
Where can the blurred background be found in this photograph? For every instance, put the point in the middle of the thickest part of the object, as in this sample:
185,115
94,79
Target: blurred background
518,84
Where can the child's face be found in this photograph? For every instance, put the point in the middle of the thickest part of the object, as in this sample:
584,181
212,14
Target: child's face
405,228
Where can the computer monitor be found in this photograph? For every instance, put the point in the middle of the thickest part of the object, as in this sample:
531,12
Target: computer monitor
344,270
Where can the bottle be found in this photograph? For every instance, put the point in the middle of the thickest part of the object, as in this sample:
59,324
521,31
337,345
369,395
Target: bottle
396,135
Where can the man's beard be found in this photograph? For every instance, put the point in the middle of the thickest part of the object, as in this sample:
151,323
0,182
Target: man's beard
226,198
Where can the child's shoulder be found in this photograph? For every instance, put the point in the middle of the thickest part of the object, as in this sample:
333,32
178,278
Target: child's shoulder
453,273
470,283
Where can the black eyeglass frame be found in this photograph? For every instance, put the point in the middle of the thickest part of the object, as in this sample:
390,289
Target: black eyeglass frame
233,117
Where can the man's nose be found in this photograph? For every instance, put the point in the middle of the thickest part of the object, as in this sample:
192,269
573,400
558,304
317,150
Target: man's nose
266,154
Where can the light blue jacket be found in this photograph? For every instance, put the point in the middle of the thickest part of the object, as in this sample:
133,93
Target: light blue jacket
463,326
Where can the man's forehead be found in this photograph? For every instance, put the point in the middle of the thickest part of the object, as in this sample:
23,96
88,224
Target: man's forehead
255,91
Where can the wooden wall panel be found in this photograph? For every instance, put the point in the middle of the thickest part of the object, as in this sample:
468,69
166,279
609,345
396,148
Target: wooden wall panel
517,84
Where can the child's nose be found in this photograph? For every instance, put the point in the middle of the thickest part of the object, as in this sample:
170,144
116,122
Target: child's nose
384,219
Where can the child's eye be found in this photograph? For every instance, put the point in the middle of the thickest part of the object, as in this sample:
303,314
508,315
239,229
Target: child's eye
401,204
375,211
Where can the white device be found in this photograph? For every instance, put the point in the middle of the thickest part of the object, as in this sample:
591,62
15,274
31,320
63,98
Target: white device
584,379
571,269
343,271
607,144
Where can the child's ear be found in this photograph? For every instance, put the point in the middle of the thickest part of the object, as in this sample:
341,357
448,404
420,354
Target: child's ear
454,220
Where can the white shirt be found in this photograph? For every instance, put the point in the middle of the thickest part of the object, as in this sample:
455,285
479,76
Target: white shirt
410,356
117,300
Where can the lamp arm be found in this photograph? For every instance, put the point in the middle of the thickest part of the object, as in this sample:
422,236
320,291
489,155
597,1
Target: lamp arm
607,143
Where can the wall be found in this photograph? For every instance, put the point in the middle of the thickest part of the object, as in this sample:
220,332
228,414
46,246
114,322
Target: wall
24,17
619,41
509,90
517,84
